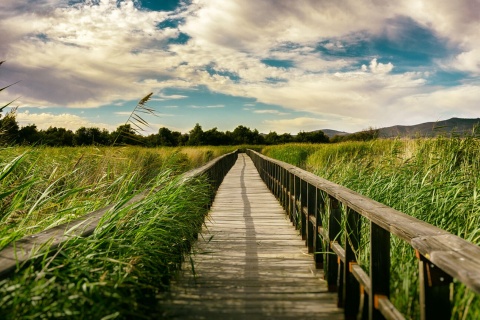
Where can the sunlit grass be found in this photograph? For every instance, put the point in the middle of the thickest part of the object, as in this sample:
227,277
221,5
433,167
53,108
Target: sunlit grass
119,270
434,180
42,187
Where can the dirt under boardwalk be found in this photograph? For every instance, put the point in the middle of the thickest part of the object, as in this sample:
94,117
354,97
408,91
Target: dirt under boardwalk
249,261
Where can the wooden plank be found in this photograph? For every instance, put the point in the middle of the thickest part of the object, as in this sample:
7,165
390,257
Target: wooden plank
362,277
339,251
256,265
388,310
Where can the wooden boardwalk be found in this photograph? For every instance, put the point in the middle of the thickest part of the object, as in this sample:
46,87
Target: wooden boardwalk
249,261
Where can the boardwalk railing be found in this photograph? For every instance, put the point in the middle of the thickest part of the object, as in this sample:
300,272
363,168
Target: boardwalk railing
315,206
31,246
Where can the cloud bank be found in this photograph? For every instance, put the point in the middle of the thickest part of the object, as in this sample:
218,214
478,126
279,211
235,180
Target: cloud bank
304,57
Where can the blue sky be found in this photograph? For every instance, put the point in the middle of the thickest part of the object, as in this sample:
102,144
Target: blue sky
274,65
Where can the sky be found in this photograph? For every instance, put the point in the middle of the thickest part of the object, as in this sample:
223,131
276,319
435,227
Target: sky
274,65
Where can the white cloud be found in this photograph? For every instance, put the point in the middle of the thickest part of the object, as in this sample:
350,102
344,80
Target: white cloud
456,21
295,125
270,111
468,61
164,97
461,101
209,107
242,24
91,55
376,67
45,120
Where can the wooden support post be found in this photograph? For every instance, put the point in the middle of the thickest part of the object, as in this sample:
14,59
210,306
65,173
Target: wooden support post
340,283
296,206
282,187
379,268
311,209
303,204
334,220
318,239
266,173
434,290
289,194
275,177
363,305
351,289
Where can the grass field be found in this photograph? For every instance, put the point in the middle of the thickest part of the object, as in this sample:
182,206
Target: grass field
435,180
43,187
118,271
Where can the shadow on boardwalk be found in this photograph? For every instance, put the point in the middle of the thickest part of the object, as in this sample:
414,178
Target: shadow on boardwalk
250,262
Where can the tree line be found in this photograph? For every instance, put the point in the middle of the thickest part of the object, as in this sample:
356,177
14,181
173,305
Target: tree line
12,134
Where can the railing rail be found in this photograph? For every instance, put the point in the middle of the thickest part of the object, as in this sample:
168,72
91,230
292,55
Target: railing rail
442,256
31,246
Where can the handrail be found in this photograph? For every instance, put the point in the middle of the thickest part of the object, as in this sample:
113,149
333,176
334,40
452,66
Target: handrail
30,246
441,254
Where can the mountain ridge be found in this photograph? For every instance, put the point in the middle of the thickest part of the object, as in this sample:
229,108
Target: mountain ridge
452,126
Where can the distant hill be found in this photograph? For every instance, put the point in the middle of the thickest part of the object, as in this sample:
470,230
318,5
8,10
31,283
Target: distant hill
453,126
332,133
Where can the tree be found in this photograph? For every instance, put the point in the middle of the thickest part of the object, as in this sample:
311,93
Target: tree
195,137
165,137
271,138
125,134
57,137
8,125
312,137
28,135
285,138
213,137
9,128
91,136
364,135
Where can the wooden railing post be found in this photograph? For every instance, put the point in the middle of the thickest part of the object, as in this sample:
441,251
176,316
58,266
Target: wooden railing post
379,268
285,189
434,290
297,192
266,173
351,289
358,291
318,242
334,220
303,205
311,212
291,197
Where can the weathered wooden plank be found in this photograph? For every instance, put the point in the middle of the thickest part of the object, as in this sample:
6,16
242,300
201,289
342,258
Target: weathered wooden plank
362,277
388,310
249,261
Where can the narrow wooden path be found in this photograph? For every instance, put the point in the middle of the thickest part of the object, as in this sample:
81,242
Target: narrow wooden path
249,261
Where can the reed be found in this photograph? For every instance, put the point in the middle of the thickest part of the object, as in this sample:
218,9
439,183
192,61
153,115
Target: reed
42,187
435,180
117,272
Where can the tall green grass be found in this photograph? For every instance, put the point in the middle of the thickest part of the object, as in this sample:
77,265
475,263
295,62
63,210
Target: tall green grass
117,272
435,180
43,187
